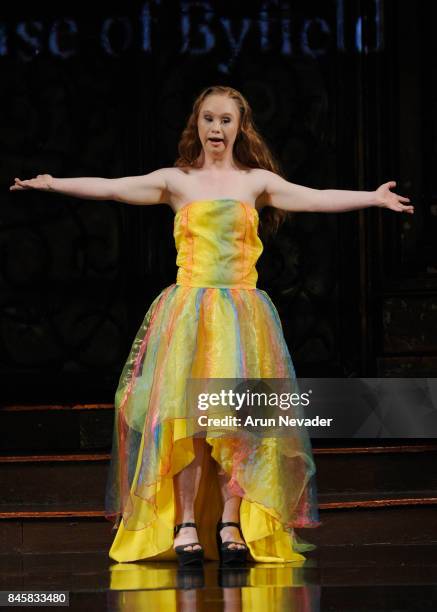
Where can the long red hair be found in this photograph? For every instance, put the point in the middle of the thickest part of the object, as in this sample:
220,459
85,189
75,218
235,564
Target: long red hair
250,150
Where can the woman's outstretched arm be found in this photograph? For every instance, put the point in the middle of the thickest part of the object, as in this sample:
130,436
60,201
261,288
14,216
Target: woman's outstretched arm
147,189
289,196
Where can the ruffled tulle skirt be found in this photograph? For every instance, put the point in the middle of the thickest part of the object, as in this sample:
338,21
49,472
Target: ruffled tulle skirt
198,332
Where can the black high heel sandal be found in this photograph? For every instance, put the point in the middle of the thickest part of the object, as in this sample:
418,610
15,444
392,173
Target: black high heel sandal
188,557
230,555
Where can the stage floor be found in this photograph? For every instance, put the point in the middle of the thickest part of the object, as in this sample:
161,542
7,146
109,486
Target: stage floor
352,578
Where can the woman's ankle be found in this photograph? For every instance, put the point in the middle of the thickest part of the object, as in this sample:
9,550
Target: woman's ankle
231,514
184,519
230,519
231,509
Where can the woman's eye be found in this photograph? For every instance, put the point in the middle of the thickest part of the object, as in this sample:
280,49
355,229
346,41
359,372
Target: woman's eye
225,120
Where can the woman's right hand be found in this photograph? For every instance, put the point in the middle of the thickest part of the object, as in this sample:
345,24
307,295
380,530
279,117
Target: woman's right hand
42,182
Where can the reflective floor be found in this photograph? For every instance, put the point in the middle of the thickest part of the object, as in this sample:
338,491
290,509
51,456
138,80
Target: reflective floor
370,578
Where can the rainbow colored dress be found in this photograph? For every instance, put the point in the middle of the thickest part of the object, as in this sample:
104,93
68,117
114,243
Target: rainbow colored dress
212,323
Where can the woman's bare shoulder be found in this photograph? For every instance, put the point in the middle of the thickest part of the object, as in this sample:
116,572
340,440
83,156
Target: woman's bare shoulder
261,181
178,170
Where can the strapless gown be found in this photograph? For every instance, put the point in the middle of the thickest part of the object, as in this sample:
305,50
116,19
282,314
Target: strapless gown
212,323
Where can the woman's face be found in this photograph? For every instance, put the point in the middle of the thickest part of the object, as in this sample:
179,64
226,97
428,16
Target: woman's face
217,124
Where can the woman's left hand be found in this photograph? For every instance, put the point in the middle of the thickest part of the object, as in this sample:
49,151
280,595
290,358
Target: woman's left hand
387,199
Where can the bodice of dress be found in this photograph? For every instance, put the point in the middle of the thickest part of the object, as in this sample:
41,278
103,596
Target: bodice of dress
217,243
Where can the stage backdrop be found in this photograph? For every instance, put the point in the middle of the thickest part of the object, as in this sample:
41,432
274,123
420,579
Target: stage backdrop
344,93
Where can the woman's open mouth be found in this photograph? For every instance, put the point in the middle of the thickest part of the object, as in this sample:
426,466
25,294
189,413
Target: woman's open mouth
215,141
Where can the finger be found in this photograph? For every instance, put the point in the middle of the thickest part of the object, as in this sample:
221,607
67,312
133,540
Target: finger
402,198
391,184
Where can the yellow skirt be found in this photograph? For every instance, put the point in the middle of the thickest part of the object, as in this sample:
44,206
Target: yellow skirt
265,537
198,333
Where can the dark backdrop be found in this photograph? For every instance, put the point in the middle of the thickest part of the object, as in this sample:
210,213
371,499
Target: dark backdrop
344,94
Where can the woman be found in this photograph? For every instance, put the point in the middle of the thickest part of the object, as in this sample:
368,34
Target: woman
212,323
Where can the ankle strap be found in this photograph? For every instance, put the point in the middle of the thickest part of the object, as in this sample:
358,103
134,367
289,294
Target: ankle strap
229,524
180,525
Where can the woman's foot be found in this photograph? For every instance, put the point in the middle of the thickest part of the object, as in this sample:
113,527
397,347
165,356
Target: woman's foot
232,533
187,535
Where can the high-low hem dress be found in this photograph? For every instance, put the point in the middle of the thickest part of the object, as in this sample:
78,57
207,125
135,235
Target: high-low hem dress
212,323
